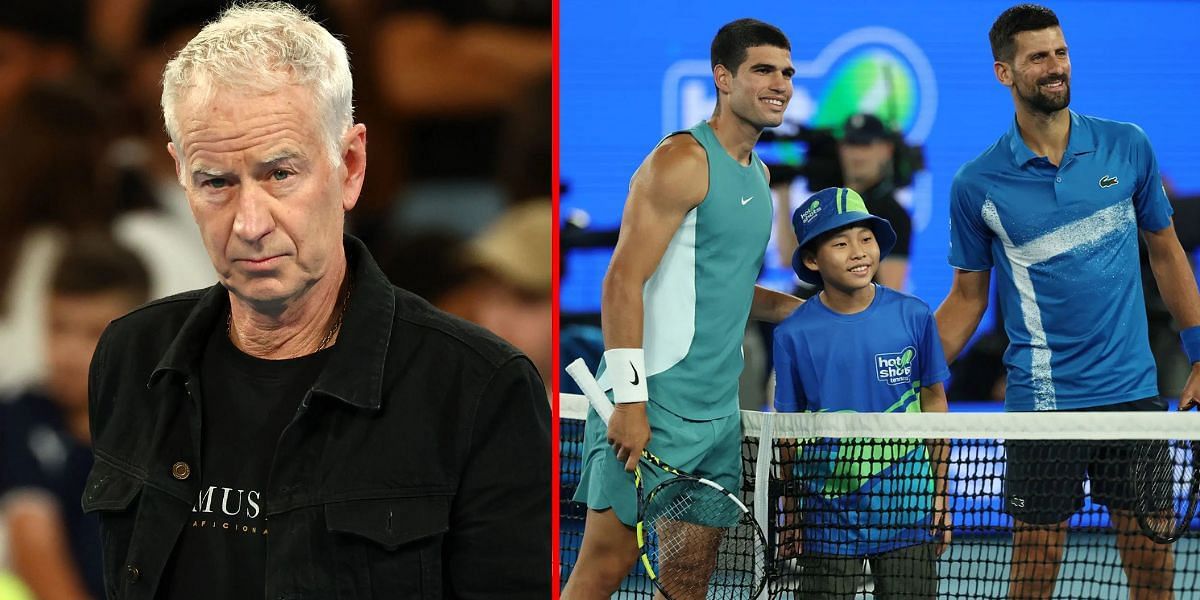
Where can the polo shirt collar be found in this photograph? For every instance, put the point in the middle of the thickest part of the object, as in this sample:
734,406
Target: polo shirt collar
1080,140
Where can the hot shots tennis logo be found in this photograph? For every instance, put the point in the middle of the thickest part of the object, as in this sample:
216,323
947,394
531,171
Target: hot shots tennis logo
895,368
812,212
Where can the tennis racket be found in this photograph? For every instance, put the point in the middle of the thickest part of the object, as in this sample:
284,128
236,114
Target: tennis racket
697,540
1157,468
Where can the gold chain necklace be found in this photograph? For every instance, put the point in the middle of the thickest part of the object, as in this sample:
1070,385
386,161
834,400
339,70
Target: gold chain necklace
333,329
337,325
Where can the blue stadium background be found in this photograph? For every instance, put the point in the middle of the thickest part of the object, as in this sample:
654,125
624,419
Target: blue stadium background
626,79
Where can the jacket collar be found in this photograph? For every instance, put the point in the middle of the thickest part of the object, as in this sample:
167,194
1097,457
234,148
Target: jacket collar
354,372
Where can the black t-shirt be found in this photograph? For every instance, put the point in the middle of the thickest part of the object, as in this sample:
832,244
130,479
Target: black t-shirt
246,403
882,203
37,452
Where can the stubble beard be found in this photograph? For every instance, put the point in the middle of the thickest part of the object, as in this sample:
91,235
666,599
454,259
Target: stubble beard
1044,103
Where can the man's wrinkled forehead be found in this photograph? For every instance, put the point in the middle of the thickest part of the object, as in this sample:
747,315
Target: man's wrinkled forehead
1034,41
206,113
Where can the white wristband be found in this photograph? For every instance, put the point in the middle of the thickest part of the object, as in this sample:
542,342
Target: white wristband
625,369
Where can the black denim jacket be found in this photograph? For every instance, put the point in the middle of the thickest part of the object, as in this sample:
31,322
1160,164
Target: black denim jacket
417,466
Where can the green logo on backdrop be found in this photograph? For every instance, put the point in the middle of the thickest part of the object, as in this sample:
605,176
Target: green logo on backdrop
874,81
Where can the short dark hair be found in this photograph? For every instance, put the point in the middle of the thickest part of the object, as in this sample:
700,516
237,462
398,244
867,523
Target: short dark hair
1022,17
94,263
733,39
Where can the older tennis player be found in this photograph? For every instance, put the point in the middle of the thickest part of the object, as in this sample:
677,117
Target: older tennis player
304,429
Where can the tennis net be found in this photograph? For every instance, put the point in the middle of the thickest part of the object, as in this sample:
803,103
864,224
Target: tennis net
852,505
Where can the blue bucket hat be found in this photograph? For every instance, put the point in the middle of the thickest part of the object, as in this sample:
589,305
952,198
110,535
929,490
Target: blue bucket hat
830,209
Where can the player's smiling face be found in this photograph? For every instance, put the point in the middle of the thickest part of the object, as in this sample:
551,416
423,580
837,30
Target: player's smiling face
762,87
847,260
1041,70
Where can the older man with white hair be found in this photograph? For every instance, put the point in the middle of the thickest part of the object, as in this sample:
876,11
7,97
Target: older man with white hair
304,429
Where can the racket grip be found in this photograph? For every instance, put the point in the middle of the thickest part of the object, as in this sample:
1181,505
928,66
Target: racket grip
578,371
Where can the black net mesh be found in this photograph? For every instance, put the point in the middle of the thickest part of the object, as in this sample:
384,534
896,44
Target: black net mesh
859,516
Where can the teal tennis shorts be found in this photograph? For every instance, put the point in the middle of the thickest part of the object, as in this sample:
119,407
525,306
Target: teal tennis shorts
708,449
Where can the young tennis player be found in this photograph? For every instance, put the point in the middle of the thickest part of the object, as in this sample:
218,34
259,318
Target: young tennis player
860,347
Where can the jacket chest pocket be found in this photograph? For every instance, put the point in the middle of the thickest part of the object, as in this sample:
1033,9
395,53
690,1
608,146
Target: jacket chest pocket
112,494
391,547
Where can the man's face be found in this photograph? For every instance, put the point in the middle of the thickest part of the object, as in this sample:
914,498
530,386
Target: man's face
74,323
268,200
762,87
1040,75
865,163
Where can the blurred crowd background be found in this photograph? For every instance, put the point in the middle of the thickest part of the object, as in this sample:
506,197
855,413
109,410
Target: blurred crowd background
456,97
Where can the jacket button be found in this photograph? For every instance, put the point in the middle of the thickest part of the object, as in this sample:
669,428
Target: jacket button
133,573
180,470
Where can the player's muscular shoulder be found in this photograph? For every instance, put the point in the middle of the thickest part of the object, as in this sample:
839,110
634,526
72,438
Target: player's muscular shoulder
675,174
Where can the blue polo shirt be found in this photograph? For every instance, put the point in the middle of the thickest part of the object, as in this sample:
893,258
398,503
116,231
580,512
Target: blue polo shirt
862,498
1064,243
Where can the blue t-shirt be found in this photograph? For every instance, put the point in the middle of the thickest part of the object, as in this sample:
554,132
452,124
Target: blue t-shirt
1064,242
861,498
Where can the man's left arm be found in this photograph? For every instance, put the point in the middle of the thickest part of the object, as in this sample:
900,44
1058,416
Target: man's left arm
1177,284
934,372
768,304
772,306
499,540
1168,262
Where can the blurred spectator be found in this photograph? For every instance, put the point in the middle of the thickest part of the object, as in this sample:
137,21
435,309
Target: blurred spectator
429,264
501,280
40,42
525,149
44,125
44,437
55,180
39,201
511,293
467,66
113,27
578,338
866,152
465,62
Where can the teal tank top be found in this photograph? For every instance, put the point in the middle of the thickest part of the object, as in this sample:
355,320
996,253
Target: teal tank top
698,300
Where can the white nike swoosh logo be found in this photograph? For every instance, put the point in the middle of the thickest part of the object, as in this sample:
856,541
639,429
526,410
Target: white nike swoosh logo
747,200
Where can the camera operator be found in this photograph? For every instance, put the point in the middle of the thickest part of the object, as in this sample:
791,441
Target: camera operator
866,151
